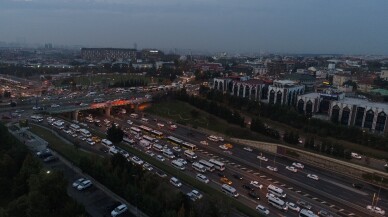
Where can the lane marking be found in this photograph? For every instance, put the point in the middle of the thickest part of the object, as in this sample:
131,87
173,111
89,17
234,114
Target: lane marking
323,202
341,210
283,185
262,176
298,191
275,182
256,173
351,214
243,168
332,205
269,179
290,188
249,171
306,195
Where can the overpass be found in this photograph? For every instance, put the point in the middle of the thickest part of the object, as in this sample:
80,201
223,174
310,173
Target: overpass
107,106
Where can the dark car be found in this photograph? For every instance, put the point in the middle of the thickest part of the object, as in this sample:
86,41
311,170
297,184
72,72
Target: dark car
221,175
237,176
50,159
358,185
248,187
97,124
104,149
45,155
253,195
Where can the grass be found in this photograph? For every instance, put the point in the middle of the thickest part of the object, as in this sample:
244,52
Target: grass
181,112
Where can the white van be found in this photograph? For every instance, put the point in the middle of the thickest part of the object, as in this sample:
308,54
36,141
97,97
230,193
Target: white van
144,120
113,150
178,165
146,144
175,182
106,142
168,153
190,154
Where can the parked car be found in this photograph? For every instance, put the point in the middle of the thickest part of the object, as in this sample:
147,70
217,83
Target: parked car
256,184
84,185
293,206
202,178
119,210
197,194
78,182
263,210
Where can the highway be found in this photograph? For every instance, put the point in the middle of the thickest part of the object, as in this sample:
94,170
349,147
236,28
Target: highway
297,185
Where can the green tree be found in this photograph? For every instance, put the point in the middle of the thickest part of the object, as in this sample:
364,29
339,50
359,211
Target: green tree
115,134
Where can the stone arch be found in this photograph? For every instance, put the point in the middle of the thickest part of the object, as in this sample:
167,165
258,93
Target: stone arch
241,90
345,116
221,86
271,97
309,108
380,122
230,87
301,106
247,91
253,92
369,119
335,113
235,89
264,92
279,96
216,84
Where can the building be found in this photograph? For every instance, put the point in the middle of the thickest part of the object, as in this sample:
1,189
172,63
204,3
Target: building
284,92
305,79
384,75
346,111
340,79
97,54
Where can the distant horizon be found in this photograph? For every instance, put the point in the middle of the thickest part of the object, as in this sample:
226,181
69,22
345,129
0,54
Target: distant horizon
179,50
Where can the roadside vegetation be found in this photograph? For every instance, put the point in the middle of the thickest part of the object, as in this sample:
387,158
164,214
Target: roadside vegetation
26,188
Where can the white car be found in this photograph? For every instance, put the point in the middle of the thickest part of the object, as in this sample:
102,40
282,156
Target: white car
147,166
204,142
386,165
197,194
90,142
160,157
292,169
191,196
274,169
298,165
176,148
182,161
248,149
137,160
160,125
118,210
355,155
202,178
78,182
175,182
256,184
261,209
84,184
223,147
150,153
313,176
293,206
375,209
262,158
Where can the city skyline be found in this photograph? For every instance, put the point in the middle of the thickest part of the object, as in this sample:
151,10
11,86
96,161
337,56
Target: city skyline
340,27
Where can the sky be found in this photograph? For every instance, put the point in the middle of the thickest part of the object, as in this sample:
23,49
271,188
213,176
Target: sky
279,26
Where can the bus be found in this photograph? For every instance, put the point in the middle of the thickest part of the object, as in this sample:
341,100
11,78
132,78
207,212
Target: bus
36,118
307,213
198,167
85,133
277,203
276,191
174,141
146,129
129,141
213,138
209,166
157,134
168,153
217,164
190,154
135,130
178,165
188,146
158,147
149,138
75,127
229,190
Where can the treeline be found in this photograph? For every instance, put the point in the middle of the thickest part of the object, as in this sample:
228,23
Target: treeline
327,147
288,115
130,83
154,197
26,189
231,116
258,126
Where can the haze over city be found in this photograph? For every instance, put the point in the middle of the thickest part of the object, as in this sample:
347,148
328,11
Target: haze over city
341,26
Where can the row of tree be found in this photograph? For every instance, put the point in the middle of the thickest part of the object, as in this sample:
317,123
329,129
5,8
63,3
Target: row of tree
258,126
26,188
288,115
327,147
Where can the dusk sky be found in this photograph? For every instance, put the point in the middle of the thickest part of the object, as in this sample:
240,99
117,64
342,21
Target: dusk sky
291,26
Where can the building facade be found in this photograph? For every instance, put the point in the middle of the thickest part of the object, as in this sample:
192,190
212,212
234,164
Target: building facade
107,53
284,92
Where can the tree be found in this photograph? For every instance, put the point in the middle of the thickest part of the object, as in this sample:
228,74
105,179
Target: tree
194,113
115,134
